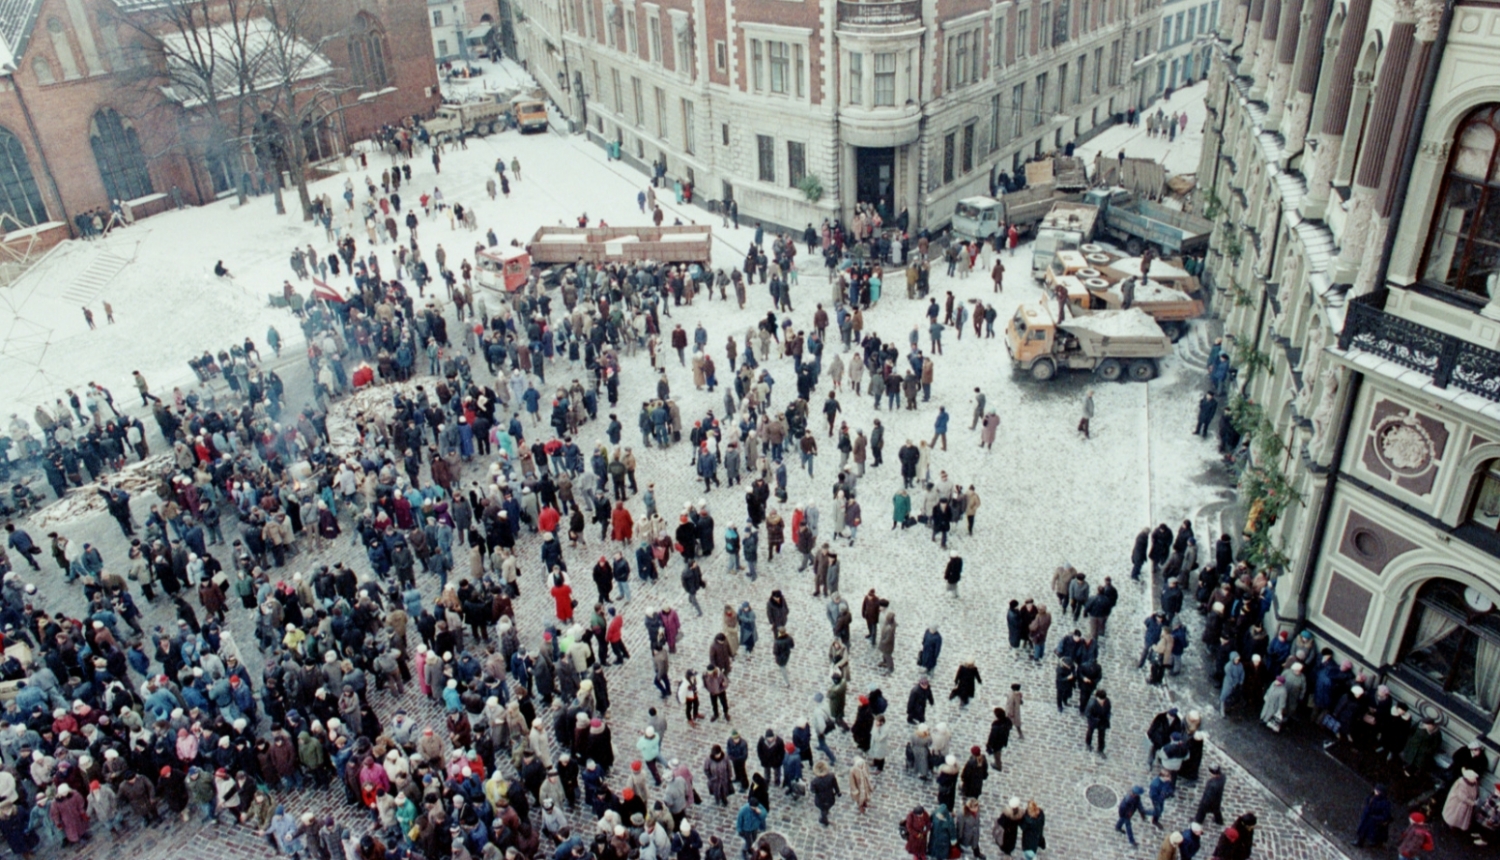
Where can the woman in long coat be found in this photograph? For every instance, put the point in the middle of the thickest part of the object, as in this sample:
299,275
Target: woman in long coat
69,814
917,826
1008,826
1458,810
720,777
944,833
861,785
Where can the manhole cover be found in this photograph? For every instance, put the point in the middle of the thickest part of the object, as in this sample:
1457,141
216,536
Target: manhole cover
1100,797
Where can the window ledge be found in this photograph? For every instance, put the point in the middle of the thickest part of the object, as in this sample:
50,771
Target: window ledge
1460,708
1447,295
1479,537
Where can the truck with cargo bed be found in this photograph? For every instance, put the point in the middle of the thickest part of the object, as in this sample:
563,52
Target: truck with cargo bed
477,118
1138,223
1113,344
598,245
982,217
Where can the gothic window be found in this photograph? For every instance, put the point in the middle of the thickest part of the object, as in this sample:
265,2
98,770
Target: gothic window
19,195
43,70
1463,250
367,64
117,151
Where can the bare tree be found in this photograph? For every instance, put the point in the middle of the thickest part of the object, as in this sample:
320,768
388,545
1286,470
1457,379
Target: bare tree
211,62
301,87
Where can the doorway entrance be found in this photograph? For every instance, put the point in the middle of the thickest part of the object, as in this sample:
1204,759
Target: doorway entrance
875,177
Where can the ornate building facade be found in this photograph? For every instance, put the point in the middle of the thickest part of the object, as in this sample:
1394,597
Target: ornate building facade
1352,162
800,110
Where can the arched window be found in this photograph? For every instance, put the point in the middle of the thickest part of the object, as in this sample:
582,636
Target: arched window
1463,250
1484,509
367,53
19,195
43,70
1453,644
117,151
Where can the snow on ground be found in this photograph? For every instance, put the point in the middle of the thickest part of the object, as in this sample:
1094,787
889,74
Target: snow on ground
501,77
1050,496
1180,157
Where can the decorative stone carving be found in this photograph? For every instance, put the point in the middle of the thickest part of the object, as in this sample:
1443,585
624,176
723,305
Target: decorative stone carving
1357,229
1369,264
1280,83
1323,418
1325,162
1436,150
1299,112
1403,445
1312,359
1429,16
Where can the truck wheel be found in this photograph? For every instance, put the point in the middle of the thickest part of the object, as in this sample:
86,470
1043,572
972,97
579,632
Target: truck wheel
1043,370
1143,370
1110,370
1134,246
1174,330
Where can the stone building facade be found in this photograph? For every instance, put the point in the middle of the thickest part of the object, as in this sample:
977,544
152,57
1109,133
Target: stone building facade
913,104
84,118
1352,162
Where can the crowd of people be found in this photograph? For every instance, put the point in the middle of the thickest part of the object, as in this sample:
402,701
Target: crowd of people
457,492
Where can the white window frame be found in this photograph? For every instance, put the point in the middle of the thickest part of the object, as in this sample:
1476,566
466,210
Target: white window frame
721,55
889,75
997,40
1023,33
632,36
689,126
856,78
653,33
759,38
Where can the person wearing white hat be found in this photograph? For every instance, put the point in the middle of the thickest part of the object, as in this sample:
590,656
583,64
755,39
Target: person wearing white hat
1458,809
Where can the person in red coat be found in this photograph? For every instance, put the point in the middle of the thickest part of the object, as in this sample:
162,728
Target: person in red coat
363,375
621,524
562,596
917,827
547,520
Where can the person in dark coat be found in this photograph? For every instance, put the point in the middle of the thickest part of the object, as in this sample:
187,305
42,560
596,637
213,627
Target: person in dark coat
825,790
975,772
1212,800
917,701
964,681
1374,820
916,828
1237,840
1161,547
999,737
932,647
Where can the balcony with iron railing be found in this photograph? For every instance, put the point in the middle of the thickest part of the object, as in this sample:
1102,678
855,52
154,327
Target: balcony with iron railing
884,14
1447,359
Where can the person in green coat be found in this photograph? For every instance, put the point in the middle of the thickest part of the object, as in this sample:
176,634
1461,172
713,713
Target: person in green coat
1423,744
900,509
1033,831
944,834
838,693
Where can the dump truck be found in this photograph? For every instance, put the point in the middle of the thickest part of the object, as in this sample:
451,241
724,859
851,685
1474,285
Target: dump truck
479,118
1137,223
598,245
1067,227
1097,279
1060,178
1113,344
530,113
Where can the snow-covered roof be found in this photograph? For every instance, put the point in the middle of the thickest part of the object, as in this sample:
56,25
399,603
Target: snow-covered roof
17,18
188,53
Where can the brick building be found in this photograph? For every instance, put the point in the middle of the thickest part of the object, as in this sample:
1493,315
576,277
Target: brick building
913,104
87,114
1352,153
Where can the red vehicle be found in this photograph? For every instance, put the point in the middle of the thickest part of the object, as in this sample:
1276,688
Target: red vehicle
503,269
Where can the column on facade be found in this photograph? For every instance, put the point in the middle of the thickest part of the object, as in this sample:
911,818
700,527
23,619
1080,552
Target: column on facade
1252,36
1266,50
1310,48
1340,93
1428,14
1286,53
1373,164
1232,17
